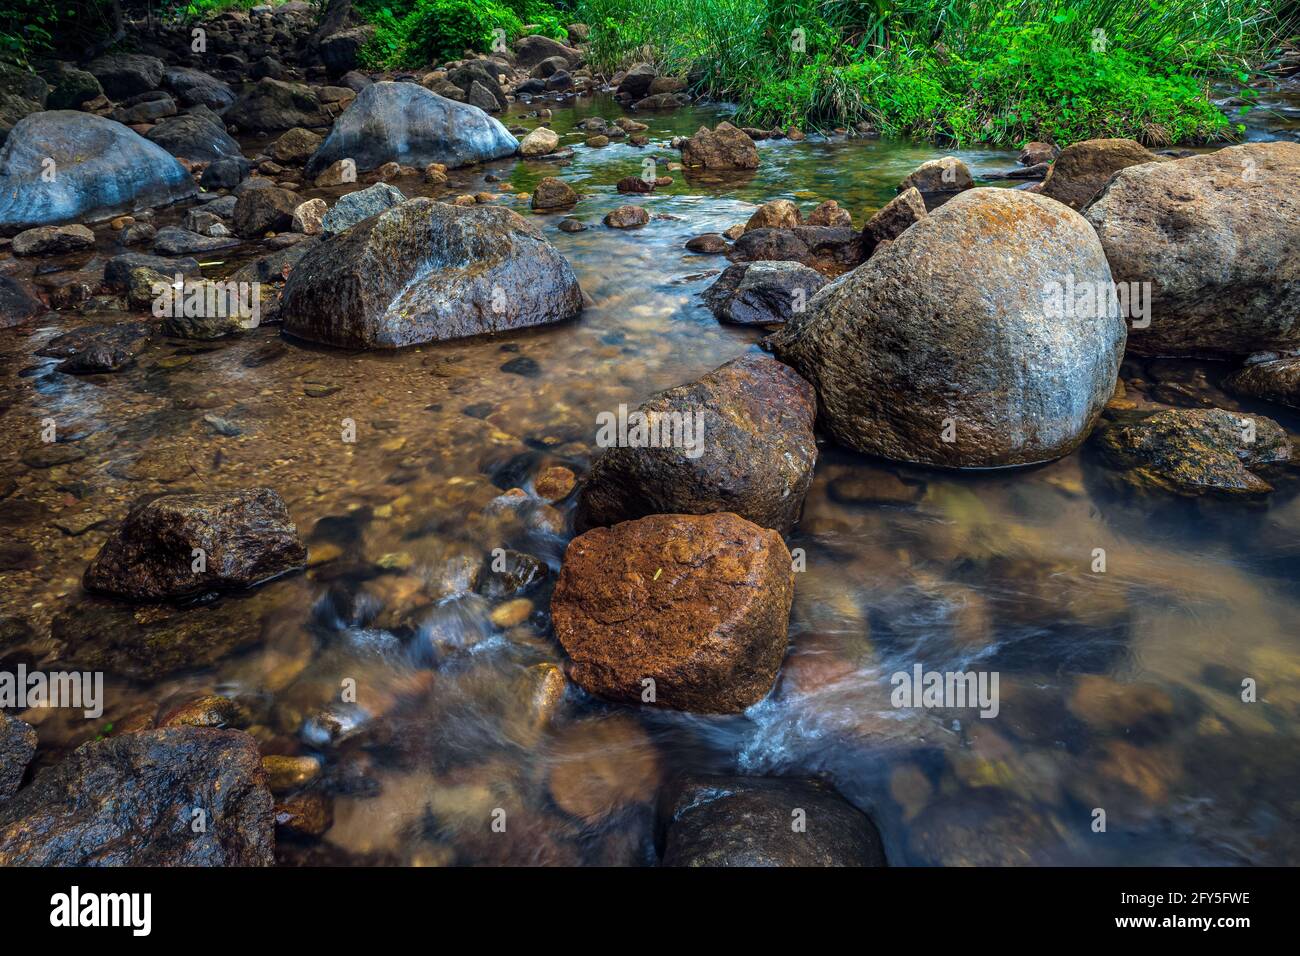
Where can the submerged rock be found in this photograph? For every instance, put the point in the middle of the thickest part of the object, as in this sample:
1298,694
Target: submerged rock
1215,238
405,123
1273,381
945,348
1083,169
762,293
749,449
750,821
1190,452
17,747
724,147
697,604
176,545
426,271
131,801
102,169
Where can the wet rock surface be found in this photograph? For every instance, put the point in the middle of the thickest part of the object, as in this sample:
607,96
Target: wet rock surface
1214,237
763,292
17,746
178,545
1007,382
1195,451
1277,380
753,451
405,123
747,821
129,800
104,168
699,605
358,289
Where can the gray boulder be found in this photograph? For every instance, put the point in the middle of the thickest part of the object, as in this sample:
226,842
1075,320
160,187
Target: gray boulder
103,169
958,344
405,123
426,271
362,204
762,293
196,88
1216,238
195,139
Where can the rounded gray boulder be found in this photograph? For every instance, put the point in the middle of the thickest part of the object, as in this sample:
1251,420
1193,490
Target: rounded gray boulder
981,337
407,124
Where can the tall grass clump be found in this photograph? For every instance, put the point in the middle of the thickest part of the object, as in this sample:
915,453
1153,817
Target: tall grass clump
965,71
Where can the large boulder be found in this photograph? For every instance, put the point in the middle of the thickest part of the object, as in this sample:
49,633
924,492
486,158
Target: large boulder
724,147
405,123
1083,169
751,821
131,800
1195,451
1216,238
762,293
194,138
696,605
271,105
747,446
123,75
177,545
339,51
102,169
961,344
426,271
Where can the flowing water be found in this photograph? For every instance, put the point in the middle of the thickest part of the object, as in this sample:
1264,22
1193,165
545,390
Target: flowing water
1120,690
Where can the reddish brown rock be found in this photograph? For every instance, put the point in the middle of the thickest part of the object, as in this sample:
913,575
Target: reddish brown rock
892,219
699,604
777,214
830,213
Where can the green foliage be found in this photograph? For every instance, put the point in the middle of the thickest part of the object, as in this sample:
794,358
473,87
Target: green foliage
966,71
415,33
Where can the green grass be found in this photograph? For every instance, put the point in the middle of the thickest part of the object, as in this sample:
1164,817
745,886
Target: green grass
979,71
418,33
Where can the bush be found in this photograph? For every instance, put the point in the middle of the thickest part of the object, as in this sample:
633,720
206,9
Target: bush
414,34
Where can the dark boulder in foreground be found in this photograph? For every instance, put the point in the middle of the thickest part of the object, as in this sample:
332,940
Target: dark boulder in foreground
131,800
763,821
246,538
958,344
763,292
102,169
699,605
1215,237
1195,451
17,746
426,271
749,448
407,124
1273,381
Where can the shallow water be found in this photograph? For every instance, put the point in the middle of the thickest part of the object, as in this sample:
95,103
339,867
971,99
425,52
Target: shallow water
452,721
